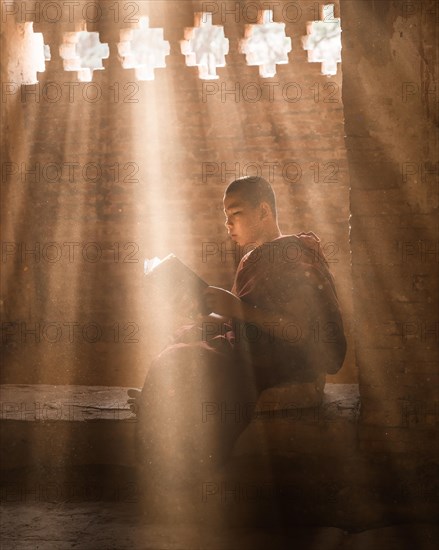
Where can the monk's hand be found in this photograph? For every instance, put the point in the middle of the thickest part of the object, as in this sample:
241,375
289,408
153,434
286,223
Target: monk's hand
222,302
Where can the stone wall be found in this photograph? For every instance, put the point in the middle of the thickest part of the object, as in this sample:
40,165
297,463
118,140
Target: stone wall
136,169
390,97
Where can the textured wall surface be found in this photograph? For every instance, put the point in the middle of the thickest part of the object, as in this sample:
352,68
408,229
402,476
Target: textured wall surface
137,169
391,114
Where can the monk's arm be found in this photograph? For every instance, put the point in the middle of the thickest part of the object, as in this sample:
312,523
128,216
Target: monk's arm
227,304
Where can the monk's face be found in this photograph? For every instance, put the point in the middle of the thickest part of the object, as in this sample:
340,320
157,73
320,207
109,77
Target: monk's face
243,220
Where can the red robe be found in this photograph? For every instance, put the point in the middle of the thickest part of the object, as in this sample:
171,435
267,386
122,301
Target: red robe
290,277
200,393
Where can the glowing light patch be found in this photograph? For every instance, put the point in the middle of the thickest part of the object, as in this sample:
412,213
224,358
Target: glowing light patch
150,264
143,49
83,52
265,44
323,41
205,46
34,55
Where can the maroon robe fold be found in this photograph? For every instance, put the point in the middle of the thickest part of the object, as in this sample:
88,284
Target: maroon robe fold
290,277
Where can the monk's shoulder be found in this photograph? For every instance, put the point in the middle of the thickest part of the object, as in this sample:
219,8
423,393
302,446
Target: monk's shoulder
294,252
285,249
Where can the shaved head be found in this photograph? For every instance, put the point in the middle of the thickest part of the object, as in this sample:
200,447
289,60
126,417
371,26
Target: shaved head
255,190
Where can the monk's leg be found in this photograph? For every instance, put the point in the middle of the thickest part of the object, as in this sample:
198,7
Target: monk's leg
194,405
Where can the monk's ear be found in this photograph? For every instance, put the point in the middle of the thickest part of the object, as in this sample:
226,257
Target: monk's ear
265,210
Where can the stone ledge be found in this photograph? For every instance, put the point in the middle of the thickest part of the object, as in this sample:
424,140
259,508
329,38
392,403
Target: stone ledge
73,425
44,403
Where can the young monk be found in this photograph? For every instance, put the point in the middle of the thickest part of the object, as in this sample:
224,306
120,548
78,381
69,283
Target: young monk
284,326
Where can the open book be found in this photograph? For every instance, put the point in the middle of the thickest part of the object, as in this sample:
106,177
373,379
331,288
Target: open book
177,284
